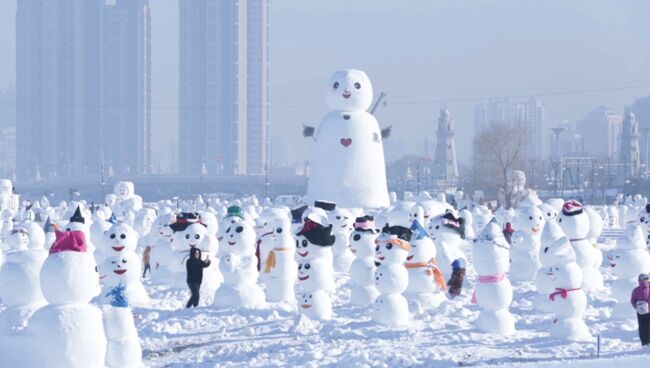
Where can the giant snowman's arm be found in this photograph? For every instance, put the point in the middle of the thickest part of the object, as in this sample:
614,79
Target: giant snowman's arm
385,133
308,131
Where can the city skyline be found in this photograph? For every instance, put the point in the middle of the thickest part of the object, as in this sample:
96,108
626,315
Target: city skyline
612,78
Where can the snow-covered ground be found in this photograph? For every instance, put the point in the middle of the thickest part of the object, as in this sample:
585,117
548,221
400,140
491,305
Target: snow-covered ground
278,336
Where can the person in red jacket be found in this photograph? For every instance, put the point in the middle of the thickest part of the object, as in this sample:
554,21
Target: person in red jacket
641,302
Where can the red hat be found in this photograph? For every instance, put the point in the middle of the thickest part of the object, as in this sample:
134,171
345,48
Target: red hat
73,241
572,208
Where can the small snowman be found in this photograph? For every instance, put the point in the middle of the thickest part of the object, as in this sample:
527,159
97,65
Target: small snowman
238,265
551,233
493,291
529,223
576,225
391,277
447,232
347,158
568,300
629,259
123,348
279,265
314,242
427,285
78,223
314,281
341,220
362,271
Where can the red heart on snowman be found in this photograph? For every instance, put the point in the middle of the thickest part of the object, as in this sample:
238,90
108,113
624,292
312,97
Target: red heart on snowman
346,141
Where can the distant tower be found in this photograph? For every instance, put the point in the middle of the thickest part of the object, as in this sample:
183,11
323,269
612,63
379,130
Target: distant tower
629,157
445,166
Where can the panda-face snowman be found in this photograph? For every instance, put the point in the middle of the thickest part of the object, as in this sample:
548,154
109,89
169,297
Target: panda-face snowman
314,275
120,238
191,237
314,241
239,238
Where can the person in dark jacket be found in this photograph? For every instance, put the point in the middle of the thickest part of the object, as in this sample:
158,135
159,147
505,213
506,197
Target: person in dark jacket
641,303
195,266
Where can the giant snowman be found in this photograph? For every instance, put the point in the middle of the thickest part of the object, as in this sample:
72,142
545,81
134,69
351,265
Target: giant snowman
347,159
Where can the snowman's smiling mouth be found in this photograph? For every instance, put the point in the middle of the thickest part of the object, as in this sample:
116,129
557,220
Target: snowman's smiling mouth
409,257
346,94
119,272
118,248
303,278
306,306
303,254
232,243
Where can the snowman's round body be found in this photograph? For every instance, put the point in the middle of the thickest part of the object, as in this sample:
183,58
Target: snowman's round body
529,224
315,304
576,228
493,290
123,348
466,214
596,225
347,157
391,280
568,302
305,251
69,332
238,265
362,271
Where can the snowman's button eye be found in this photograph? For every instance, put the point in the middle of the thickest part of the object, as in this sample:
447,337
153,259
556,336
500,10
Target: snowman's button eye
338,217
239,229
197,236
356,237
389,246
336,85
112,236
297,243
122,236
96,270
300,266
307,266
357,85
437,227
187,236
124,261
530,218
279,230
377,248
304,243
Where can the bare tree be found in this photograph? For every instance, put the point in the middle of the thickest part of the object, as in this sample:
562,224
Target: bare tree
498,150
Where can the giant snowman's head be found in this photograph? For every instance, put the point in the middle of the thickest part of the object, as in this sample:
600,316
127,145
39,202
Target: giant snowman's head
6,187
349,90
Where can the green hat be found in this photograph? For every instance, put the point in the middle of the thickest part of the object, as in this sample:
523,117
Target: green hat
235,211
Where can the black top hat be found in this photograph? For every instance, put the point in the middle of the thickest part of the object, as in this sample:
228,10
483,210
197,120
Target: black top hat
317,234
402,232
325,205
365,224
296,214
185,219
77,217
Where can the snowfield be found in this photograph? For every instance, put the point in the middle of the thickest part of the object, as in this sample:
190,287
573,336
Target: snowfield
277,336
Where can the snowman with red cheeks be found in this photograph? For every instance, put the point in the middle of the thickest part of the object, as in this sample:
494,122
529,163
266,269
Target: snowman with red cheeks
347,158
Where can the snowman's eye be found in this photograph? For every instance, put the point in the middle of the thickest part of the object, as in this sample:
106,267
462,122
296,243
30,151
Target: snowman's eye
96,270
297,243
336,85
304,243
307,266
389,246
357,86
239,229
530,218
112,236
187,236
300,266
279,230
377,248
540,217
356,237
122,236
548,214
437,227
338,217
197,236
227,230
560,220
124,261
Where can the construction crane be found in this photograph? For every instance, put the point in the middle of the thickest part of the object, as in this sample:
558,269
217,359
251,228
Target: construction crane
377,102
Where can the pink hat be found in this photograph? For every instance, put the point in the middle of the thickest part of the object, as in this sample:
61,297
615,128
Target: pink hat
74,241
572,208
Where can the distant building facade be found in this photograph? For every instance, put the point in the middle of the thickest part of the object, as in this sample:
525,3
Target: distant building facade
8,132
641,109
598,133
630,162
74,84
530,113
445,167
223,86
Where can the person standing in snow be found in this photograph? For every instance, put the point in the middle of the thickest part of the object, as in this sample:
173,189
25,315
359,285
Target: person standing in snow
195,266
146,259
641,303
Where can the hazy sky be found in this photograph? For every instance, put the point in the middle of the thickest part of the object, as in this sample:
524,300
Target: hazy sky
423,53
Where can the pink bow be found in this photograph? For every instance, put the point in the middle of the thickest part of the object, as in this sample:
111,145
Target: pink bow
564,293
488,279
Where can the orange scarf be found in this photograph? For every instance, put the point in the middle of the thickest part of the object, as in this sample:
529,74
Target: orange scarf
397,242
431,269
271,260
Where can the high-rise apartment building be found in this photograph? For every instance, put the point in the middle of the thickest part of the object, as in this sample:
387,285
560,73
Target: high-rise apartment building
598,133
